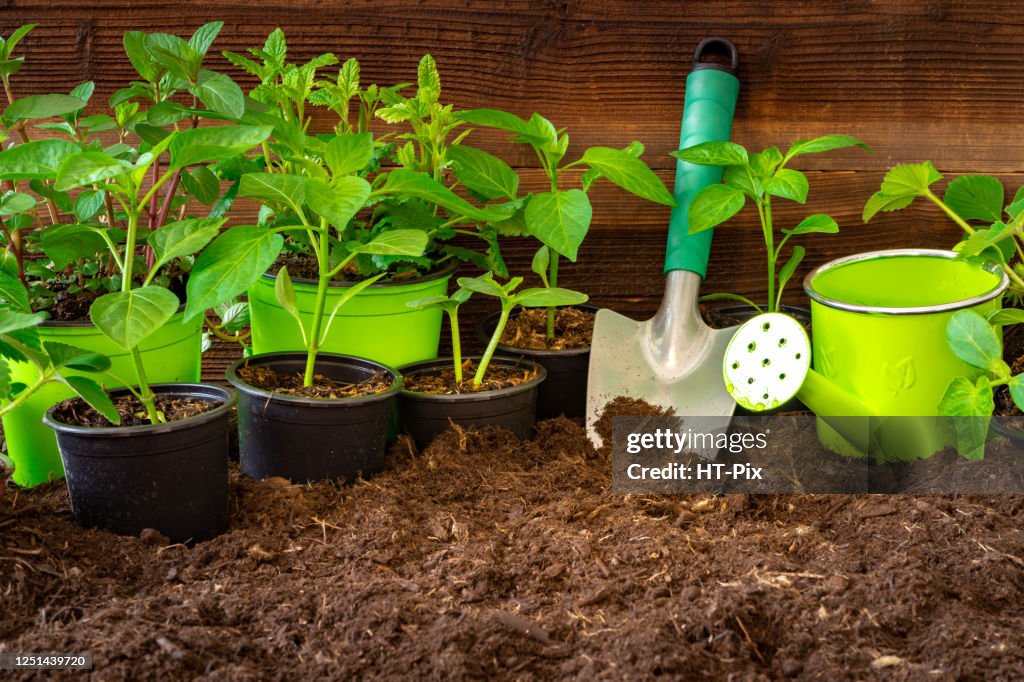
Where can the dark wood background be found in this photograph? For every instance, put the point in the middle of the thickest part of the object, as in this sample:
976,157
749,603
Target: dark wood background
916,80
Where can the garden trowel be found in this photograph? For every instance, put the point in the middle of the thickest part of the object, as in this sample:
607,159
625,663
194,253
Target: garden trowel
675,360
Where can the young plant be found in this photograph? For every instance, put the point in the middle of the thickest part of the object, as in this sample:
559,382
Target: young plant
974,340
559,218
998,231
761,177
450,305
230,323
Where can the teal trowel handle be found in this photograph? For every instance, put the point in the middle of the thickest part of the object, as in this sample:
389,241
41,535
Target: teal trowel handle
711,91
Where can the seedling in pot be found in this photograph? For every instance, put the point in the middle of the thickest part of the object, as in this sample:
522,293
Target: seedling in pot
450,305
559,218
761,177
230,323
997,232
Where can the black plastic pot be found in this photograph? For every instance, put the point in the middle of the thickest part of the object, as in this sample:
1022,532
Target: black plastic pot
172,477
565,390
313,439
425,415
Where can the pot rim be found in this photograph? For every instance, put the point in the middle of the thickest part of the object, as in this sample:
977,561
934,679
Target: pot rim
447,271
482,336
532,384
302,401
227,394
818,297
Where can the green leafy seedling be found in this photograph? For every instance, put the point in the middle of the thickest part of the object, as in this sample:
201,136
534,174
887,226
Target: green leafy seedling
761,177
450,305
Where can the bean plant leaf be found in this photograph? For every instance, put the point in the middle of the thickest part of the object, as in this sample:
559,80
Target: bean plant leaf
973,340
560,220
36,160
788,184
713,205
484,284
183,238
971,406
129,317
275,188
1006,316
410,243
88,168
548,297
65,244
713,154
824,144
230,265
284,291
483,173
338,201
629,173
819,222
976,197
541,261
92,393
41,106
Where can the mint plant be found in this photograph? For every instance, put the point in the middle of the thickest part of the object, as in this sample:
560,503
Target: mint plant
761,177
559,218
997,231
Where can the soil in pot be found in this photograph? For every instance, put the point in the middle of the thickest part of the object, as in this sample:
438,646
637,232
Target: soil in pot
76,412
441,380
291,383
574,328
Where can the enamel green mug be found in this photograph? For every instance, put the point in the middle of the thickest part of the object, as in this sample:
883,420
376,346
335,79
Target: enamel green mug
880,355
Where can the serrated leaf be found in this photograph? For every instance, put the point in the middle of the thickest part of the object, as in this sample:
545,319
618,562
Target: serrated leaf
428,80
824,144
560,220
37,160
229,266
976,197
42,106
130,317
819,222
339,201
885,203
349,153
548,297
972,339
91,392
204,36
65,244
985,238
183,238
483,173
629,173
911,179
713,154
788,184
713,205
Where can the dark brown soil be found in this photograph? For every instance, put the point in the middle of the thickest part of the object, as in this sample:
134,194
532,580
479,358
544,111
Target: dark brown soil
304,266
269,379
77,412
487,557
717,318
1013,354
442,382
574,328
69,307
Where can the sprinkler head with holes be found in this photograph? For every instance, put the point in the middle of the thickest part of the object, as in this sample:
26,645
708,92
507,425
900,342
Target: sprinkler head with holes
767,361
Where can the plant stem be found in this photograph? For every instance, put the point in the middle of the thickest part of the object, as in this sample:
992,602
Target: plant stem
453,318
481,370
769,238
26,394
950,212
552,282
145,392
129,250
323,280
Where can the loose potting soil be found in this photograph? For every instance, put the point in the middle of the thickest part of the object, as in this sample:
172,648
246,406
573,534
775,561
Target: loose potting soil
270,379
77,412
485,556
574,328
442,382
304,266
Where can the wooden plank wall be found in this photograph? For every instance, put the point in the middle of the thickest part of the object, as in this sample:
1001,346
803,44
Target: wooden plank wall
915,79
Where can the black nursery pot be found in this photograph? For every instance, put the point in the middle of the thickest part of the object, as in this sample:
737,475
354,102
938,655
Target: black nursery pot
313,439
426,415
565,390
171,477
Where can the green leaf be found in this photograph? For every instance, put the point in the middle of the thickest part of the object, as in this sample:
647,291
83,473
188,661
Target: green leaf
765,162
819,222
201,183
16,202
483,173
14,321
404,182
229,266
72,357
36,160
42,106
713,154
395,243
339,201
560,220
140,56
285,293
976,197
13,292
911,179
166,113
7,46
985,238
548,297
204,36
200,145
91,392
89,203
347,295
787,270
219,93
484,284
541,261
743,179
349,153
1016,386
65,244
713,205
885,203
129,317
502,120
183,238
974,405
428,80
824,144
1005,316
629,173
788,184
974,341
87,168
275,188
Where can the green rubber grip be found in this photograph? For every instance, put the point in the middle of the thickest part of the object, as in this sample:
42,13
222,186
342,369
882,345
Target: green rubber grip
707,117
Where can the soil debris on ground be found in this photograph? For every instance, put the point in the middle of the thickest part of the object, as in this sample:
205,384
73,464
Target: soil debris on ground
574,328
77,412
442,381
269,379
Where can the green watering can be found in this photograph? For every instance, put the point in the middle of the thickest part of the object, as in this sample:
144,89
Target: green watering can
881,360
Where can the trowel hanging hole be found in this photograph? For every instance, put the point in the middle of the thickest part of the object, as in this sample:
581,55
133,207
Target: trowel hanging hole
751,346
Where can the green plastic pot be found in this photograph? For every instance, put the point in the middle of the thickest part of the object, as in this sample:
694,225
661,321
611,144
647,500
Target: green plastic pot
880,355
172,355
376,324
